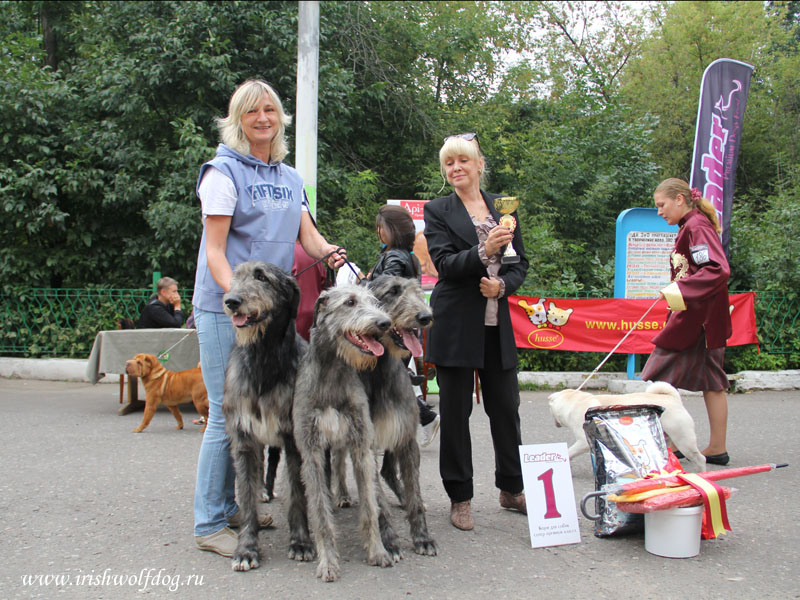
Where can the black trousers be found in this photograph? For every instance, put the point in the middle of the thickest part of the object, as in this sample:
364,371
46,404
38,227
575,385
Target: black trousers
501,403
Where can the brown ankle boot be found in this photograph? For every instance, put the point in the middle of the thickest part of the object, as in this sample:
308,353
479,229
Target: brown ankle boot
514,501
461,515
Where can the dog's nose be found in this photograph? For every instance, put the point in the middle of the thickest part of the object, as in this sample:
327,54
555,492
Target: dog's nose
424,318
233,302
383,324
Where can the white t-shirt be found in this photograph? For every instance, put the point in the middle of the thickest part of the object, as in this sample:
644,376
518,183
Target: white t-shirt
218,194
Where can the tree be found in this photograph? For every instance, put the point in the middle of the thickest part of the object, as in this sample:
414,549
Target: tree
665,80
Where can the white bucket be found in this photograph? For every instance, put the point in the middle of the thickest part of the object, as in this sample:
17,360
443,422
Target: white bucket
674,533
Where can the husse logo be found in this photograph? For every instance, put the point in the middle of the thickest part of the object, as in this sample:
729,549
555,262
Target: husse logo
548,321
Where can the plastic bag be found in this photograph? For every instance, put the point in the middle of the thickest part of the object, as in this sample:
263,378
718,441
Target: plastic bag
626,443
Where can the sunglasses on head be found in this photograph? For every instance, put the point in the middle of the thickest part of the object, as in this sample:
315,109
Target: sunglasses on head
464,136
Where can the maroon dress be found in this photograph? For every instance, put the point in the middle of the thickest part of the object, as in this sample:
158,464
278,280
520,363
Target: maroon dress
690,350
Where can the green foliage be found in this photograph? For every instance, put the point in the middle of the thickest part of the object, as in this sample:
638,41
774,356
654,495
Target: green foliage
357,217
748,358
60,323
765,239
552,360
107,111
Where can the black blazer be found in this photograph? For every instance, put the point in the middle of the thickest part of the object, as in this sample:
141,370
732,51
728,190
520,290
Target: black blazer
457,336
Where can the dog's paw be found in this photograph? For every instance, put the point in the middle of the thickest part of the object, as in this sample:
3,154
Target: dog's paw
328,571
301,551
425,547
138,430
179,426
266,495
393,548
380,559
245,560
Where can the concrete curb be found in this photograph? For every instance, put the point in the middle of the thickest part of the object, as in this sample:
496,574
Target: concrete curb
49,369
74,369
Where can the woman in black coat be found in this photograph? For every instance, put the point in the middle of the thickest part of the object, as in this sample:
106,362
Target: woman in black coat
472,327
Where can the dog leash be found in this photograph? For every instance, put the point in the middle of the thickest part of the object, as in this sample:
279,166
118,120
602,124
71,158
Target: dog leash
316,262
618,344
165,353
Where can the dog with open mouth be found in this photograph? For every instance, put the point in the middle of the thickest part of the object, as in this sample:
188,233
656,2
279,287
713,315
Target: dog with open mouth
393,407
332,412
258,402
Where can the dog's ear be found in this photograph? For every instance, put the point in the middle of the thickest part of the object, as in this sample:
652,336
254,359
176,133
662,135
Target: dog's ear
319,308
294,303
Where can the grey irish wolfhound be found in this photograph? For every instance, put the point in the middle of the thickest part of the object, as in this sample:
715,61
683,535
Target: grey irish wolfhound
393,405
332,412
259,389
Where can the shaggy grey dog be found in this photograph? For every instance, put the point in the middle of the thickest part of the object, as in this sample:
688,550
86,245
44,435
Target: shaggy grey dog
259,389
393,405
332,412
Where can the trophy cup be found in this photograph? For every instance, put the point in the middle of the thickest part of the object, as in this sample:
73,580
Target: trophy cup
507,205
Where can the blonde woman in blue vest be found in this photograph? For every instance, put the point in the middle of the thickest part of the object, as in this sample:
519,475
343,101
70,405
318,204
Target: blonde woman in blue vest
254,208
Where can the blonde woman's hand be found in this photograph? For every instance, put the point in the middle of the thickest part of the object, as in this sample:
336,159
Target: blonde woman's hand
490,287
498,237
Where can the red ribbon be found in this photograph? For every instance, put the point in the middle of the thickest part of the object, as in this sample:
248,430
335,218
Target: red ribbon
715,513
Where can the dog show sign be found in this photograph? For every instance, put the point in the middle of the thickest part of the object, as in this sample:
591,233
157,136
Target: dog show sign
547,477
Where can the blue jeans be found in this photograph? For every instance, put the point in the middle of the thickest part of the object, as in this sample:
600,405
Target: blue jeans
215,488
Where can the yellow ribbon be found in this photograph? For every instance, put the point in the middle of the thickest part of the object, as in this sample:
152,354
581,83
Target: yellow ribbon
714,506
648,494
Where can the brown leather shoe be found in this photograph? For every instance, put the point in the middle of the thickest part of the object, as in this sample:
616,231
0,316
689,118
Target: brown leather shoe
461,515
514,501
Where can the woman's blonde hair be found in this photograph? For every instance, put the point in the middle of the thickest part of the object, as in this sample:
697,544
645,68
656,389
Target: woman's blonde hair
246,97
456,146
673,186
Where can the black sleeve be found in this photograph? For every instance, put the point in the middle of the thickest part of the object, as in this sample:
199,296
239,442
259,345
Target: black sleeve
156,316
450,262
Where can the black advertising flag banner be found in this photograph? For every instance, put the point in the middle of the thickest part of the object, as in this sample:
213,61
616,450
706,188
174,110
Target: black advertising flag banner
723,97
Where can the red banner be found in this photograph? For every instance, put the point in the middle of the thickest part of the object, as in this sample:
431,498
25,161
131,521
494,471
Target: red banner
597,325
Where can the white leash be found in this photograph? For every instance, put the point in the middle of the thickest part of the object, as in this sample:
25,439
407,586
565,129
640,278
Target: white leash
165,353
635,325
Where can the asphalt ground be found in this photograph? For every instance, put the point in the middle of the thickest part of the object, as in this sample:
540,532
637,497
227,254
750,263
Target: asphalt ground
93,510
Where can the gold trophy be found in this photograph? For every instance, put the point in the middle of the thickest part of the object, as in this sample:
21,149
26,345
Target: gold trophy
507,205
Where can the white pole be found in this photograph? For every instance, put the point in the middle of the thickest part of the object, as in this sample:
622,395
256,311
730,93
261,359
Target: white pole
307,90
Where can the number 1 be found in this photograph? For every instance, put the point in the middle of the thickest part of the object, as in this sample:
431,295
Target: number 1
549,496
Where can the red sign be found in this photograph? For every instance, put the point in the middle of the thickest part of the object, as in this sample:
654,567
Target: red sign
597,325
415,207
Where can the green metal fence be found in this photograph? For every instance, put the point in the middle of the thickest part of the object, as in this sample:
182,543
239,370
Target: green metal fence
47,322
64,322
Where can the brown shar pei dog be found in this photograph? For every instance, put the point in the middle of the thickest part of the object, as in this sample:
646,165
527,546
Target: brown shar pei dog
169,388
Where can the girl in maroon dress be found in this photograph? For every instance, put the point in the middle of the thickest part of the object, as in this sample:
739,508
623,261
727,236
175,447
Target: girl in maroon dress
690,349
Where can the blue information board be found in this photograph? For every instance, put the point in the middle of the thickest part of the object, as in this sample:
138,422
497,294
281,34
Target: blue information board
641,261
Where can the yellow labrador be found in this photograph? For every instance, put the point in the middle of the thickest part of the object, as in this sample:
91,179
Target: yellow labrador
568,408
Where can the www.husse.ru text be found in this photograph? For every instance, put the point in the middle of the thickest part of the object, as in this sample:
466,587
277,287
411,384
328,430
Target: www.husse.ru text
144,580
623,325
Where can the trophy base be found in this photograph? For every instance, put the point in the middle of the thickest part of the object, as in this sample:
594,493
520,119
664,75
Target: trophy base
510,260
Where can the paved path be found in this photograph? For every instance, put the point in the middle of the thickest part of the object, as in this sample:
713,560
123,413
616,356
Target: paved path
88,502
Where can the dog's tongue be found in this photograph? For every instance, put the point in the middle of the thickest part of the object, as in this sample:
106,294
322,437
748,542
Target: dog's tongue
374,346
411,342
239,320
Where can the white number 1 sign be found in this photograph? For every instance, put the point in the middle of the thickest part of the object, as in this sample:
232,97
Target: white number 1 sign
552,512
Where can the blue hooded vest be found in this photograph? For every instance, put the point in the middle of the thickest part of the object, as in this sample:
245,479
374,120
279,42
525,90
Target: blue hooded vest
265,222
